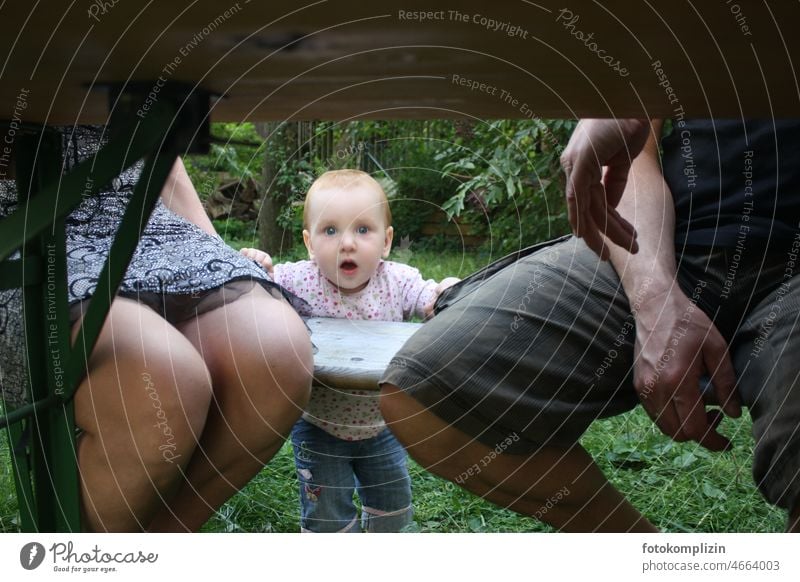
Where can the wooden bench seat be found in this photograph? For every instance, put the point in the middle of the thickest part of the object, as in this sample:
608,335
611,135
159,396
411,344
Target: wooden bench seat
353,354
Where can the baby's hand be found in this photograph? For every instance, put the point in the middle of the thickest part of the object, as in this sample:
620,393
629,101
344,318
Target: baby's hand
259,257
445,283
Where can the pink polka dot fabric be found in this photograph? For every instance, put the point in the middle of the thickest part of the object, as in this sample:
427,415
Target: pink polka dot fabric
396,292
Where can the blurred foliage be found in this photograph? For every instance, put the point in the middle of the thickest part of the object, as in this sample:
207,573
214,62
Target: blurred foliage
228,154
508,171
500,178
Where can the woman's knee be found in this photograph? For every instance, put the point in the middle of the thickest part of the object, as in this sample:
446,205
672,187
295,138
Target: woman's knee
291,360
274,361
258,353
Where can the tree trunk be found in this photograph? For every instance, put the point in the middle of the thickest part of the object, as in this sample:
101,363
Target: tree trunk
273,238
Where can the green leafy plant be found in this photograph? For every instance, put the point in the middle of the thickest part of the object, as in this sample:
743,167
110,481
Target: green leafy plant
509,171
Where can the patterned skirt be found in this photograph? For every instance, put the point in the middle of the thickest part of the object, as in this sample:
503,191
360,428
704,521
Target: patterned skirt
177,269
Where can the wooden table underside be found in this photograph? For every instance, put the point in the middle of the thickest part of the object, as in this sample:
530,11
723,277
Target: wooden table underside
342,59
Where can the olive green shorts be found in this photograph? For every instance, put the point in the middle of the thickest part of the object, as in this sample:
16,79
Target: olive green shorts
540,344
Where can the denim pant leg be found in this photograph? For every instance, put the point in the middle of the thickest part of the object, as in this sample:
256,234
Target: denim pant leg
384,485
325,474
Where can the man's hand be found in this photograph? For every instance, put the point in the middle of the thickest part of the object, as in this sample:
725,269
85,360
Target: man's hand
596,162
259,257
676,345
444,284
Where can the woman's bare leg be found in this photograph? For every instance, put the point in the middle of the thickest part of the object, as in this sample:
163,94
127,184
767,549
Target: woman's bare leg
259,355
144,400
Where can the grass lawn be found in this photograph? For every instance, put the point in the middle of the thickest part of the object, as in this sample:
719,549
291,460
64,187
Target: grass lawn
680,487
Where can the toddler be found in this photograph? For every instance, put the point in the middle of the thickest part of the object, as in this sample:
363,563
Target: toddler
342,444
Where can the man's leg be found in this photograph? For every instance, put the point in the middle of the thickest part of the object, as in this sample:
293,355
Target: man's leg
499,387
765,355
562,487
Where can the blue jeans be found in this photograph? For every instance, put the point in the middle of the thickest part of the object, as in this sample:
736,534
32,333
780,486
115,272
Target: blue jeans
330,470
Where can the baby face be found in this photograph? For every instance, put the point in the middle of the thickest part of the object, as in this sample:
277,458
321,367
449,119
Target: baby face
347,235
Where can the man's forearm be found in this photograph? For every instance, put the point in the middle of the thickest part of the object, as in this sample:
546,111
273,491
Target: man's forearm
647,203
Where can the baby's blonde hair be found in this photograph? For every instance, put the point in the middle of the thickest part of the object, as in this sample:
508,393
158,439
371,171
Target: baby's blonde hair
347,179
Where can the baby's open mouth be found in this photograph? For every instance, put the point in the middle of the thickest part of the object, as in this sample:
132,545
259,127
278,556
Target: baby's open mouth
348,266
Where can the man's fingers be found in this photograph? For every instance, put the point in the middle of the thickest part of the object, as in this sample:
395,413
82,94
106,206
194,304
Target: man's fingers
711,439
620,232
723,377
576,201
696,424
661,411
615,178
592,218
582,180
572,212
714,417
591,236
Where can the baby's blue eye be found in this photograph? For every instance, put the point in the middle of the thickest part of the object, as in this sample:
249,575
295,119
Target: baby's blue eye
362,230
330,231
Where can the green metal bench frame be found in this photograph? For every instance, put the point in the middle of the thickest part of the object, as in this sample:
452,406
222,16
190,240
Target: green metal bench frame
42,439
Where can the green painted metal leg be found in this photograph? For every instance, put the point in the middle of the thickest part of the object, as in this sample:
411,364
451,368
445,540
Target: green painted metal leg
42,434
51,448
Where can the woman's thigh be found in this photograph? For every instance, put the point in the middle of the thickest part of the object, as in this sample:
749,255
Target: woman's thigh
147,390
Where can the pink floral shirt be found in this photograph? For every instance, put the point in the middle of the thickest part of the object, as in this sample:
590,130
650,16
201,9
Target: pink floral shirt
396,292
